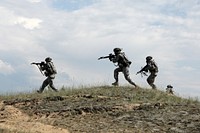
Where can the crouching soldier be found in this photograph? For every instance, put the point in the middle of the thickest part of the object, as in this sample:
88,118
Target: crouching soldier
169,89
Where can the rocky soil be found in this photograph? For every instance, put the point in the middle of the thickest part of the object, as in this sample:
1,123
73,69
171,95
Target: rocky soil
92,113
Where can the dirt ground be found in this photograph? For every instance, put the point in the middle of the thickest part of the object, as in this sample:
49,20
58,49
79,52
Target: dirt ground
13,119
96,114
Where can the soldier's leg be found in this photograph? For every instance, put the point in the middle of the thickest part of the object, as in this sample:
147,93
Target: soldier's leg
44,84
151,80
116,75
52,85
127,76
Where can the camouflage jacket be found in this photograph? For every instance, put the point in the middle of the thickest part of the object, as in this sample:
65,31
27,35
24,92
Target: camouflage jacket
49,69
151,66
121,60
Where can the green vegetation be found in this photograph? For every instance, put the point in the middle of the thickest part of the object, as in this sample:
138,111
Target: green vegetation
126,92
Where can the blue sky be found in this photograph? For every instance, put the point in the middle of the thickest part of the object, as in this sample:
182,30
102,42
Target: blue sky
71,5
76,32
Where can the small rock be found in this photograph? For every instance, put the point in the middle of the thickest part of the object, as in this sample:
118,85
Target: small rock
191,125
183,113
176,130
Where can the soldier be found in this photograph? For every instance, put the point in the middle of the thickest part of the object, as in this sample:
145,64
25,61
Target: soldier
49,71
169,89
152,68
123,66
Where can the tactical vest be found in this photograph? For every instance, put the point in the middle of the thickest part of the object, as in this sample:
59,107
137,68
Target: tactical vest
51,68
153,67
127,62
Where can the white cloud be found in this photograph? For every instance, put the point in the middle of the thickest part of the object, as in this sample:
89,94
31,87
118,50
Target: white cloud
34,1
28,23
7,17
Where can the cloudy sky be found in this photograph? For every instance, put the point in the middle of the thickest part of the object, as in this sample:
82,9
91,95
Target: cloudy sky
76,32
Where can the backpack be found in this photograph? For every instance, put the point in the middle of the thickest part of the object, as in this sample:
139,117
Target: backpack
51,68
153,67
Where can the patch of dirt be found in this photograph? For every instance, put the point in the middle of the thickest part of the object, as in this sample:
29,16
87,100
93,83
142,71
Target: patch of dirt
13,119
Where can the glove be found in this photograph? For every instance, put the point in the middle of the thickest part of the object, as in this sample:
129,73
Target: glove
111,56
42,63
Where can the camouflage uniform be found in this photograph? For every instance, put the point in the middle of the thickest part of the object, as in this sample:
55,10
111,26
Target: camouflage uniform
169,89
153,69
123,66
49,74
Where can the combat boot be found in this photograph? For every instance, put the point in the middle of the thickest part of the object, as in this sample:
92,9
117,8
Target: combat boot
38,91
153,87
115,84
137,87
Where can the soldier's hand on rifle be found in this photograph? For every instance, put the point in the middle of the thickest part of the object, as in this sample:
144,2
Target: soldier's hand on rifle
39,66
111,56
42,63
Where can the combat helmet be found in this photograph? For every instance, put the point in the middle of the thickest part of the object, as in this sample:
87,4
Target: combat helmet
148,58
117,50
169,86
48,59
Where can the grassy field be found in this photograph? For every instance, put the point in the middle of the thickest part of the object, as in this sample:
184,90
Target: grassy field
101,109
140,95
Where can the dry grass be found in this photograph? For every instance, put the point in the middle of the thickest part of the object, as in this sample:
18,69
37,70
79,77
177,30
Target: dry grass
141,95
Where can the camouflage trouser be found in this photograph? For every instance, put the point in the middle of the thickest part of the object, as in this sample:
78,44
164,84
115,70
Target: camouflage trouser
151,80
125,71
48,81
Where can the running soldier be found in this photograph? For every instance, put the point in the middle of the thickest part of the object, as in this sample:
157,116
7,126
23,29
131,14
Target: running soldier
49,71
123,65
152,68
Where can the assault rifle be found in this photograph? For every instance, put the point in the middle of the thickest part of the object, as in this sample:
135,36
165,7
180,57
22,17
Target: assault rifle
110,56
34,63
39,66
143,73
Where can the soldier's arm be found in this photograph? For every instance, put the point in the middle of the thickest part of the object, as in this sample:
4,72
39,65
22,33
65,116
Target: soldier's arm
145,68
43,66
117,58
